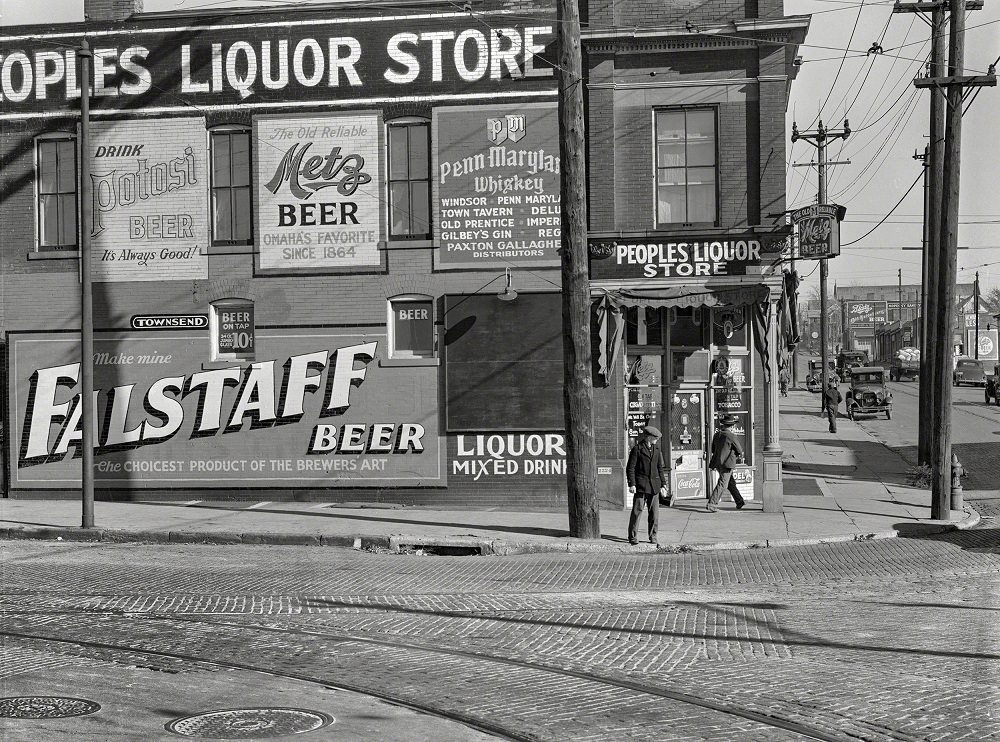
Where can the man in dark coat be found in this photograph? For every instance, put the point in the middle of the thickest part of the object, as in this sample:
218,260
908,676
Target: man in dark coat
831,398
727,453
647,478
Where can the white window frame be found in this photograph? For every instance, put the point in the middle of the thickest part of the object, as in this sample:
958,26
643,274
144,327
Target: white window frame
390,304
229,129
213,330
404,121
59,136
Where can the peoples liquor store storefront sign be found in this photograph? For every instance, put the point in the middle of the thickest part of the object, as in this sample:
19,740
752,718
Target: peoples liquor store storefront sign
315,411
680,256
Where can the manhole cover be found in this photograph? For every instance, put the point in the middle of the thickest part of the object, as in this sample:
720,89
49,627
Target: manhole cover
256,723
45,707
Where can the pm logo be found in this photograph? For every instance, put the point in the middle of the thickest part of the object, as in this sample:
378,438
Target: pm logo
511,126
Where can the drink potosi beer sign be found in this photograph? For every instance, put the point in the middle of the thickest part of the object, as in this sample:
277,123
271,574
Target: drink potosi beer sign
148,208
497,190
318,185
319,410
866,313
819,230
258,61
683,257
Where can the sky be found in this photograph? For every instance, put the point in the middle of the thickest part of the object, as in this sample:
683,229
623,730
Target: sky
888,119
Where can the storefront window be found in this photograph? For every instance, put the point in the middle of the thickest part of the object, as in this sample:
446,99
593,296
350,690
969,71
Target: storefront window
411,327
729,327
687,328
644,326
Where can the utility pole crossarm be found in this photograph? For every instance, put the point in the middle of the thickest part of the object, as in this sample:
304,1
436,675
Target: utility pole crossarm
926,7
966,81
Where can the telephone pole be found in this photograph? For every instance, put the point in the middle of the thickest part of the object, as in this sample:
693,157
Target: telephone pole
955,83
976,289
578,394
819,139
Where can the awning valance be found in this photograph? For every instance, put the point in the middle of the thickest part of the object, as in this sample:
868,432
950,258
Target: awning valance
689,296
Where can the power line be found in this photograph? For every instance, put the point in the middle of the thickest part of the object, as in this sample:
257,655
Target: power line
882,221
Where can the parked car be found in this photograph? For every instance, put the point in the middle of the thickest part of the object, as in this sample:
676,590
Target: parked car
848,359
814,379
868,394
969,371
993,385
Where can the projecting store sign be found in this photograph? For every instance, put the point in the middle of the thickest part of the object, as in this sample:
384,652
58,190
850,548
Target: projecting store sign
819,230
711,255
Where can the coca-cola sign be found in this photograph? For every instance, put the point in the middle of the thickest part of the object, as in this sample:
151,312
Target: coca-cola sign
819,230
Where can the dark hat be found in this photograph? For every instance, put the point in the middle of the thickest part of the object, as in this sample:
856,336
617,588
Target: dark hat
728,420
650,430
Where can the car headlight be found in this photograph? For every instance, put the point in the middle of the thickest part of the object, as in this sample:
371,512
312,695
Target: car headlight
878,396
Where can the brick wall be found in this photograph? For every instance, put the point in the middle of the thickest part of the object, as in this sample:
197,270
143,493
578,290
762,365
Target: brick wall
110,10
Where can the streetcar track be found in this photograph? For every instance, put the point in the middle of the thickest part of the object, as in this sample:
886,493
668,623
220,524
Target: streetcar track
960,408
776,722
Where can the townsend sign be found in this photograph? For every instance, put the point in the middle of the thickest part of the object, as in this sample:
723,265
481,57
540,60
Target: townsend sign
256,61
318,410
679,257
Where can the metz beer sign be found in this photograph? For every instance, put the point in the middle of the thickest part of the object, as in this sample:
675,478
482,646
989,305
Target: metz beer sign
819,230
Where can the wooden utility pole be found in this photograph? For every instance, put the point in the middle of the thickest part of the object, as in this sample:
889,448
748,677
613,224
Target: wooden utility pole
976,289
578,394
86,297
819,139
944,320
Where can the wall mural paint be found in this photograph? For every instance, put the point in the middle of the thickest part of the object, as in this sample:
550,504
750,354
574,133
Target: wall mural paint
149,205
315,410
318,185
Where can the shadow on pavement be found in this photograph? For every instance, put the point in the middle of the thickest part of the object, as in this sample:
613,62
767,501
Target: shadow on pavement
872,461
974,539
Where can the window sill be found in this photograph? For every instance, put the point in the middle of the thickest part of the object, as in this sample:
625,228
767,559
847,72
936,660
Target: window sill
397,362
216,365
400,243
54,255
228,250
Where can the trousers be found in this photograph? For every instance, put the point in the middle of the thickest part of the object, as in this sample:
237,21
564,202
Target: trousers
725,482
651,501
831,415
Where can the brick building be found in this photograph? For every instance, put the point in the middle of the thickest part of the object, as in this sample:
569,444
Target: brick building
325,241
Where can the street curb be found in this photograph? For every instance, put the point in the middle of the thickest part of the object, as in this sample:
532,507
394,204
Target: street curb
450,545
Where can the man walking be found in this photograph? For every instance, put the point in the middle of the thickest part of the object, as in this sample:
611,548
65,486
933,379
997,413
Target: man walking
727,453
831,400
647,478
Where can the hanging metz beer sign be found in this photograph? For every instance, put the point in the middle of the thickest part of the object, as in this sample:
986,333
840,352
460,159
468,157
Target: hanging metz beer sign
679,257
819,230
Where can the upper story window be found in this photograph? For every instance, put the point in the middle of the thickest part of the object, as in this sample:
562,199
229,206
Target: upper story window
409,180
686,166
55,168
232,213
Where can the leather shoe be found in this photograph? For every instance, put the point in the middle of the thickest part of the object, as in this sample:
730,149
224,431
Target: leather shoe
633,543
739,505
711,508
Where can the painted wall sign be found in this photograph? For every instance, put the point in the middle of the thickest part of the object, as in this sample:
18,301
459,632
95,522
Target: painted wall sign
819,230
149,205
316,411
866,313
497,186
259,60
687,256
318,184
168,321
487,455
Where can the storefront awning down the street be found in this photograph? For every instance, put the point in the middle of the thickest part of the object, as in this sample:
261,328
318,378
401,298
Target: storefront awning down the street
609,305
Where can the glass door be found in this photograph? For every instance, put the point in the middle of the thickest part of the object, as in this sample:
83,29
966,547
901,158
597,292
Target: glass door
687,443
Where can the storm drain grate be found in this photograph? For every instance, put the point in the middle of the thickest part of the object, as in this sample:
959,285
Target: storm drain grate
251,723
45,707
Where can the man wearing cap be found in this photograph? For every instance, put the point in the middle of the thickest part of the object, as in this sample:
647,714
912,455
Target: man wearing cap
727,453
831,400
647,479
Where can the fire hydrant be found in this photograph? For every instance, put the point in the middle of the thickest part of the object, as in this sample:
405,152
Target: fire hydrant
957,472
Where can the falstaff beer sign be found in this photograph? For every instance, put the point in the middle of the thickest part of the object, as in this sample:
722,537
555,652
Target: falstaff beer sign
498,185
680,257
318,188
148,210
819,230
316,411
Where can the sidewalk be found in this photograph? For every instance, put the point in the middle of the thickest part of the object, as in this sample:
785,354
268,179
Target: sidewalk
838,487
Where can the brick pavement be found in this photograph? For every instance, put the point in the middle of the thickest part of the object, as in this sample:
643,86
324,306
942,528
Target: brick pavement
885,640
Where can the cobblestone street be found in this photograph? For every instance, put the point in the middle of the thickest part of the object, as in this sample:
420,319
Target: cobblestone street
884,640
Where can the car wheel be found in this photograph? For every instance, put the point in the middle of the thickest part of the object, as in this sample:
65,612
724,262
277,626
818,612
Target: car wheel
888,415
987,396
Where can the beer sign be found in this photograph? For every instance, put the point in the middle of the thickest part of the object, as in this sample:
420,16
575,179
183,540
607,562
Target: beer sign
861,314
819,230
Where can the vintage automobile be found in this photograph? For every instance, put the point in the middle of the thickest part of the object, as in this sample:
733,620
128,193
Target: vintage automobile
848,359
868,394
993,385
969,371
814,379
